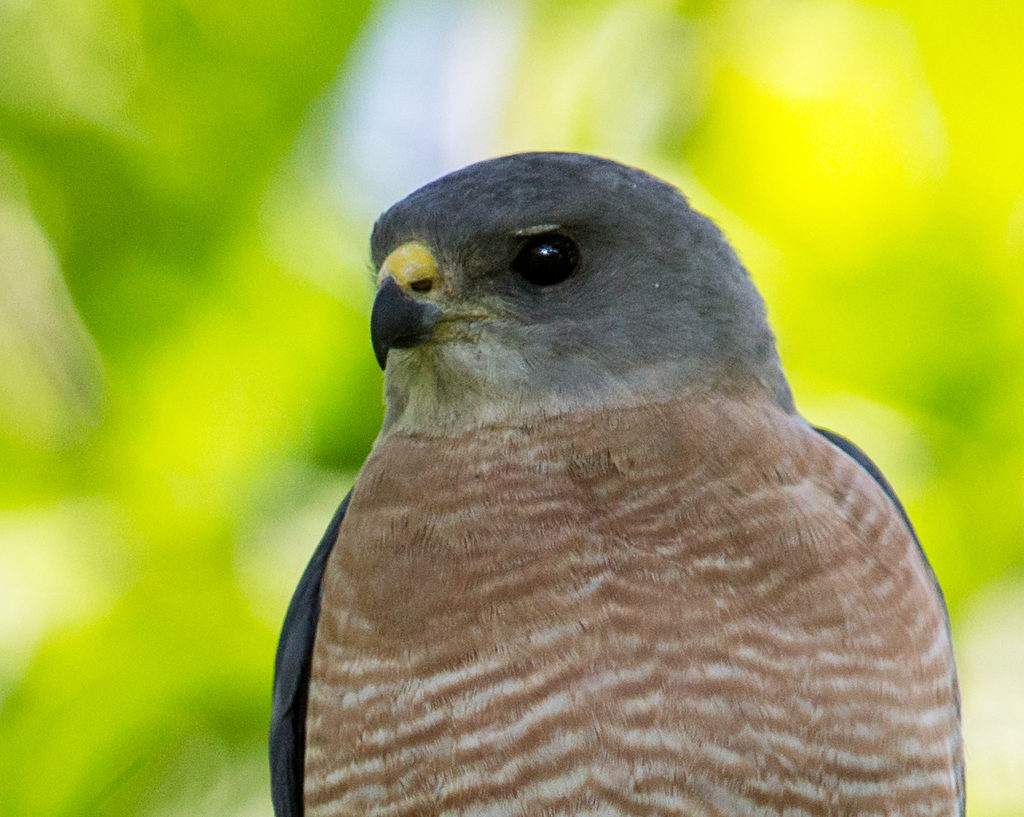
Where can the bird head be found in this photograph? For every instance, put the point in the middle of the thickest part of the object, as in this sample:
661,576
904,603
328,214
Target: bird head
541,283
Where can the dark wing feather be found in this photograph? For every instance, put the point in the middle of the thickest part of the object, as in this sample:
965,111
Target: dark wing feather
291,679
865,462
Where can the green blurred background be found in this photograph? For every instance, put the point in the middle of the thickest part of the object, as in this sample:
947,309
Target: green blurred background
186,381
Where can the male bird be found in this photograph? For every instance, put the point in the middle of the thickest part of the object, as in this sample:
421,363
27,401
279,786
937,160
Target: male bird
596,563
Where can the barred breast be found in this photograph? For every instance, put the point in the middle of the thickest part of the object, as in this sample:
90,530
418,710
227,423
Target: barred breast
688,608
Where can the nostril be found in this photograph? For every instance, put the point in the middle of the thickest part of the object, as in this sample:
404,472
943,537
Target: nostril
422,285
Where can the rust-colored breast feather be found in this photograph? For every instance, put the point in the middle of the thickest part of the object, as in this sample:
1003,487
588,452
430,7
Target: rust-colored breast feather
693,608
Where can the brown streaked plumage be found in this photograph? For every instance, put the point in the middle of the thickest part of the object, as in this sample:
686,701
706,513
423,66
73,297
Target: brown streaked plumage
734,622
596,563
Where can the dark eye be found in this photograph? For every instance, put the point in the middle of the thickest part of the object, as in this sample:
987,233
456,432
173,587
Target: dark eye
547,259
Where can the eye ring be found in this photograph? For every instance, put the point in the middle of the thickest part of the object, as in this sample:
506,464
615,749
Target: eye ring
547,259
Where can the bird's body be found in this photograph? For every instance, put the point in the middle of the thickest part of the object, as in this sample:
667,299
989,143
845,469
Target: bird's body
566,634
666,594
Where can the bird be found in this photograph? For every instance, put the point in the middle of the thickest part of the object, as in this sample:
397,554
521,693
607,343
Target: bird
597,562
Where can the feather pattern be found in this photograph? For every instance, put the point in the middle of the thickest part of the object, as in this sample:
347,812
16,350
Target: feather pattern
692,607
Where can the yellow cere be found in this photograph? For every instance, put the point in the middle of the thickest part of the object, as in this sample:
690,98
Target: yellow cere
412,264
187,385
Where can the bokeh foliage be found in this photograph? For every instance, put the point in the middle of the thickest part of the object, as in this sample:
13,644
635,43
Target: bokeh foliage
186,384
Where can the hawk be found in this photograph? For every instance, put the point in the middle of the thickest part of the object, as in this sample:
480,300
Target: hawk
596,562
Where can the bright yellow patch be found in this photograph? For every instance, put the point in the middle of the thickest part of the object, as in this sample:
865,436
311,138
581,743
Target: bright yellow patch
412,264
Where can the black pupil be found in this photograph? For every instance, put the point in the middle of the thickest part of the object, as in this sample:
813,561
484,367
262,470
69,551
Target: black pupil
547,259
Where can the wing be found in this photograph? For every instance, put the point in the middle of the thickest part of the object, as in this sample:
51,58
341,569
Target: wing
864,461
291,679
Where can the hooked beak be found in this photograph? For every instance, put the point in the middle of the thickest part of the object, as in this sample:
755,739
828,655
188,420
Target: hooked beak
400,320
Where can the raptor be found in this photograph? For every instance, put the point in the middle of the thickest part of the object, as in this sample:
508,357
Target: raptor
597,563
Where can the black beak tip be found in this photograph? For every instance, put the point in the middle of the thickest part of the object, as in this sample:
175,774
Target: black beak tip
380,351
399,320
